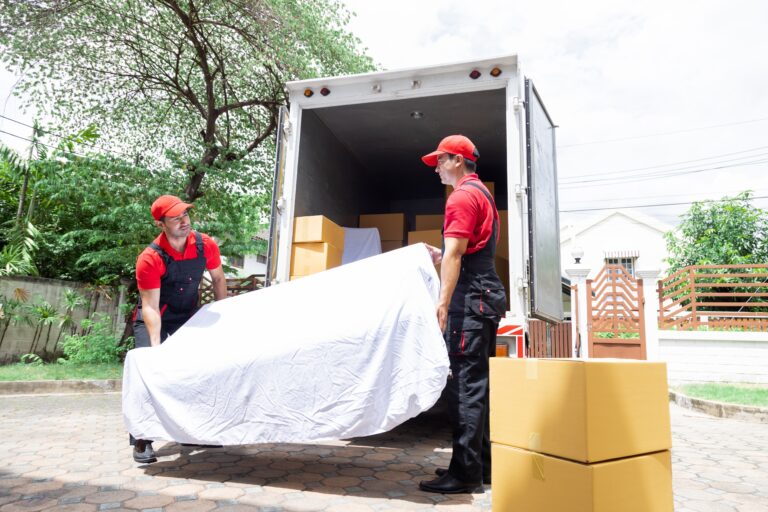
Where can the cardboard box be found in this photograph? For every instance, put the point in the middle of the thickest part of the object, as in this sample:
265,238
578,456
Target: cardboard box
311,258
502,248
390,245
433,237
391,226
584,410
490,185
425,222
532,482
317,228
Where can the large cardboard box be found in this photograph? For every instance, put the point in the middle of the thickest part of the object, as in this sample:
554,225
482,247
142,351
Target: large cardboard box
391,226
424,222
532,482
390,245
317,228
433,237
502,248
311,258
584,410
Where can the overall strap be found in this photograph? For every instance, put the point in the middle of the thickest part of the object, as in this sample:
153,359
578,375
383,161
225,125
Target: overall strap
493,205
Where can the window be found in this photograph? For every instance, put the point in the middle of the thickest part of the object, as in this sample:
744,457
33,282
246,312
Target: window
261,258
628,263
236,261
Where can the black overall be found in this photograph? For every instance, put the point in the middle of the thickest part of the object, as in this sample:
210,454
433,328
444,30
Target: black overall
477,305
178,293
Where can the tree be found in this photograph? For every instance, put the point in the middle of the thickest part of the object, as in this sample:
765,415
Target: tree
204,77
726,232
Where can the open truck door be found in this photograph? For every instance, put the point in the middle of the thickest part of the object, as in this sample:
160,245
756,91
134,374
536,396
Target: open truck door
544,280
278,201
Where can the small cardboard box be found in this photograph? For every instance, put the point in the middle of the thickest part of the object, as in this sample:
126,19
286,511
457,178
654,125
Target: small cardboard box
311,258
488,184
391,226
584,410
317,228
425,222
532,482
433,237
390,245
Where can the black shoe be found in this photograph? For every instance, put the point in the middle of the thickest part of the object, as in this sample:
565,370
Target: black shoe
143,452
443,471
446,484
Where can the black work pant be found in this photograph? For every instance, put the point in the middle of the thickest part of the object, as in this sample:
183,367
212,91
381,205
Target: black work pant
468,393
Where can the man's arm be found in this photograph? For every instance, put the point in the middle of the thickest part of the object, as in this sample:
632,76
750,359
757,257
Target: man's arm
219,281
150,313
449,276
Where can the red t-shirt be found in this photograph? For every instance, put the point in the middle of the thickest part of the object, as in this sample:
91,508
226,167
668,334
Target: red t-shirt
150,266
469,214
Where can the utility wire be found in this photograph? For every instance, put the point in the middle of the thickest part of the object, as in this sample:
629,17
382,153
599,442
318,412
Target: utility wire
605,173
654,205
606,141
650,177
48,132
42,144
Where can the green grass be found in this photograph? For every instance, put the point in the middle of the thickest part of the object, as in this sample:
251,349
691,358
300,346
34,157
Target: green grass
21,371
741,394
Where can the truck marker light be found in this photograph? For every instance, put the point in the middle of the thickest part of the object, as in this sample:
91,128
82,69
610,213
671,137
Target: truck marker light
376,88
325,91
495,72
475,74
417,115
308,92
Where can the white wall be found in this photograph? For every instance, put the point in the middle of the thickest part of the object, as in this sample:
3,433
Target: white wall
616,232
250,267
715,356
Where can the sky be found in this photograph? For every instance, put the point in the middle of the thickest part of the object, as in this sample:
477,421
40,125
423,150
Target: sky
657,102
638,88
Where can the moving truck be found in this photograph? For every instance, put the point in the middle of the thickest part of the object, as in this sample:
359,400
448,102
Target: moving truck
351,146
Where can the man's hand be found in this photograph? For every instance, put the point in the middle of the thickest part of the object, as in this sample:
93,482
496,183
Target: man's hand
442,316
435,253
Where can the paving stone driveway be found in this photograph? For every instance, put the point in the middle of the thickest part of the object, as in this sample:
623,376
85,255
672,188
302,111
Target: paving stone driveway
70,452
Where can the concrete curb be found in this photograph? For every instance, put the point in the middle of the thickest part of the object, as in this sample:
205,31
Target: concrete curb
720,409
37,387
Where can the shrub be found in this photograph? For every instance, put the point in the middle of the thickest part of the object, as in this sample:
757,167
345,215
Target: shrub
98,345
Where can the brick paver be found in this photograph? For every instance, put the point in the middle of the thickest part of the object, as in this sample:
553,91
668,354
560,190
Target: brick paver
70,452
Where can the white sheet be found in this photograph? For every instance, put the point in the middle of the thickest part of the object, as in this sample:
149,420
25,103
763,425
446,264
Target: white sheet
348,352
360,243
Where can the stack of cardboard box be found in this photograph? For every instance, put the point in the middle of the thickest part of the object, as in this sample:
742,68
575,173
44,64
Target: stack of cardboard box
391,228
580,435
318,244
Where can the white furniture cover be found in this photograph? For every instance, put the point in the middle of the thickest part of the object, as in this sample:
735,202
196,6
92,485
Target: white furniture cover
351,351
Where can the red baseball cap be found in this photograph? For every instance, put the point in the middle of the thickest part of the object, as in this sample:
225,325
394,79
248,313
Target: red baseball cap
455,145
169,206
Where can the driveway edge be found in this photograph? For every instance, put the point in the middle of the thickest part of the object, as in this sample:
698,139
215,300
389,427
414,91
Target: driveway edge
34,387
720,409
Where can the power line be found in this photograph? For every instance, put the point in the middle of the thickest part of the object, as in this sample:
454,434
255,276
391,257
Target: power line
658,196
652,176
42,144
673,163
654,205
62,137
659,134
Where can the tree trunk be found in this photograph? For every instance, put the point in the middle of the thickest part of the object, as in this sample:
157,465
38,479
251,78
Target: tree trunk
192,189
22,197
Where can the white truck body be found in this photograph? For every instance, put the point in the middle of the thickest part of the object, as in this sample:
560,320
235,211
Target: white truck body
357,149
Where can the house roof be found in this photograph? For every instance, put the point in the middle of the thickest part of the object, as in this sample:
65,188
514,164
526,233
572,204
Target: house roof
566,232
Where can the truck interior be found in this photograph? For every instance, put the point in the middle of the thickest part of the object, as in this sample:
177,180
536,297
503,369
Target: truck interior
366,158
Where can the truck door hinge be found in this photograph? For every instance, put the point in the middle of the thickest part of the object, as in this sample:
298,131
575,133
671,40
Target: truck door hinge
280,204
520,190
287,127
517,104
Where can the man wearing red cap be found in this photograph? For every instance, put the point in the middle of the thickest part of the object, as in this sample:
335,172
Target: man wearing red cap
168,273
471,303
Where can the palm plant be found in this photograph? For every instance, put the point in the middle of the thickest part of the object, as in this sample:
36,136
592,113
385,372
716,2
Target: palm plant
71,301
43,314
12,312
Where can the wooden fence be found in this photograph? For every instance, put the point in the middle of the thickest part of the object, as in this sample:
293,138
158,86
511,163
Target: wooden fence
235,286
726,297
549,340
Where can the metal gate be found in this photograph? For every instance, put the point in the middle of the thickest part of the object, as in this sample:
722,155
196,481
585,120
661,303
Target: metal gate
615,318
